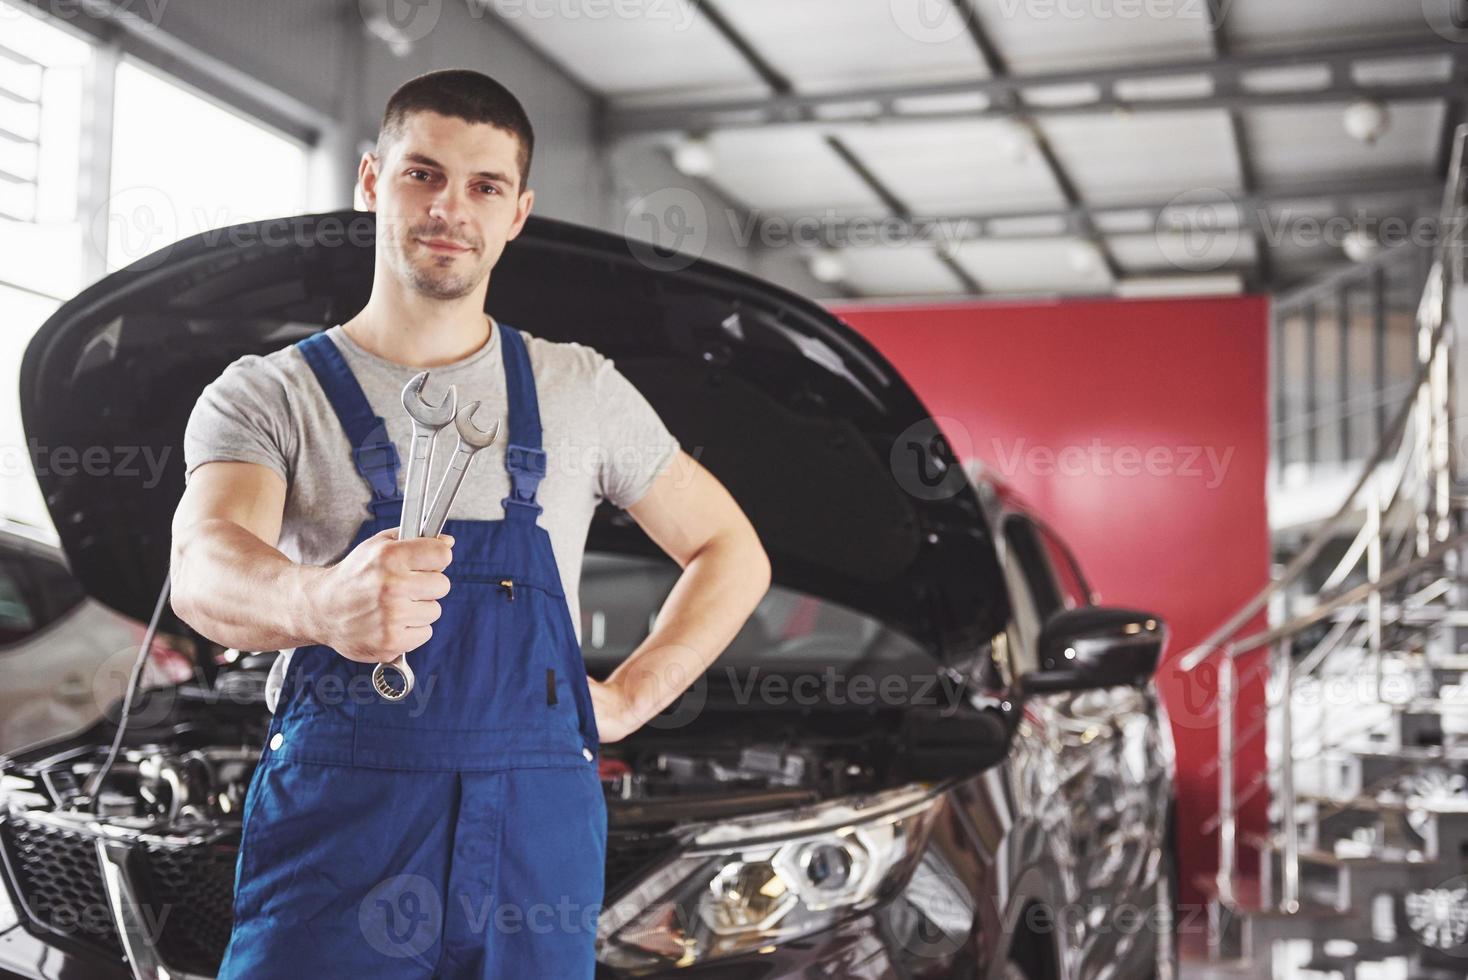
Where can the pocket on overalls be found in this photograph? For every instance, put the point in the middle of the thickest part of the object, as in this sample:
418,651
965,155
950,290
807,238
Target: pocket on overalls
246,895
534,679
558,656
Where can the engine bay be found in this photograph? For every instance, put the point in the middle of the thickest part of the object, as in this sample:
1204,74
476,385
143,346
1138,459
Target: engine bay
160,787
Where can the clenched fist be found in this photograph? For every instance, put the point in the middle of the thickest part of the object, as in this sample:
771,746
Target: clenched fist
381,600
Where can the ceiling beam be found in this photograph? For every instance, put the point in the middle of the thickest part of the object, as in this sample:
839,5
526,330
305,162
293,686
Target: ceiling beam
1009,96
779,84
1139,218
767,72
997,67
1248,181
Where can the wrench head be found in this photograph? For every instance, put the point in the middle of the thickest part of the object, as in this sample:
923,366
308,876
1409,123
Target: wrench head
423,411
470,433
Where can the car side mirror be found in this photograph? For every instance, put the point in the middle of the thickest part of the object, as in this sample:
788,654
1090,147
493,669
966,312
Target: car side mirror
1096,646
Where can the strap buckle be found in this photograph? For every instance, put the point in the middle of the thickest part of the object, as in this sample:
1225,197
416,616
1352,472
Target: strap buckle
526,466
378,464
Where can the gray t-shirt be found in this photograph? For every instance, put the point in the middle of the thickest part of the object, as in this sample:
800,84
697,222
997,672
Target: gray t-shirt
602,441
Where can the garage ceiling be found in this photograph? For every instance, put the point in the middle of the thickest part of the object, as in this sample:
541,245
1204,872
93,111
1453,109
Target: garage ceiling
1038,146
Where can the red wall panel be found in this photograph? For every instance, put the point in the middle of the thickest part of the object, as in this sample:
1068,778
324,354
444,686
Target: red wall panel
1139,430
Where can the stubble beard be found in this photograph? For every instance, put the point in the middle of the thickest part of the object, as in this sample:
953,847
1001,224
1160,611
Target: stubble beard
427,277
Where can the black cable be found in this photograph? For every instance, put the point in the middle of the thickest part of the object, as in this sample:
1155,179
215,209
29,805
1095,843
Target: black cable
94,785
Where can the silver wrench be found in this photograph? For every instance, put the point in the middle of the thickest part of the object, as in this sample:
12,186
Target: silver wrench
427,419
471,440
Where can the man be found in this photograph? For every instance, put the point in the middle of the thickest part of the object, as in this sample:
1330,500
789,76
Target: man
460,831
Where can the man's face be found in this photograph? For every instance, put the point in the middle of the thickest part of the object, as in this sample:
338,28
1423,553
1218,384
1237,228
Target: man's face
448,197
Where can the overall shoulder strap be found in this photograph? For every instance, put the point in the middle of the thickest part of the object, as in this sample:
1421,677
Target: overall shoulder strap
524,457
374,454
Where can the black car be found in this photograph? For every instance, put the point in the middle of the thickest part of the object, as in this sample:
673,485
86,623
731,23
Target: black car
927,754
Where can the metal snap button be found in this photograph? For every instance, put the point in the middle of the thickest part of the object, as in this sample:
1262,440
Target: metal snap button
277,740
587,753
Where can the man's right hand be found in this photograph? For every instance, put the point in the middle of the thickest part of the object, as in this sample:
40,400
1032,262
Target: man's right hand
382,598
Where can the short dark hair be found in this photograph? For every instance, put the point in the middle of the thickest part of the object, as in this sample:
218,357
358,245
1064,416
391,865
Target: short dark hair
463,94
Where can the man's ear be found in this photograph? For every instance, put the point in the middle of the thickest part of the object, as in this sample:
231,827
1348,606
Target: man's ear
522,211
364,196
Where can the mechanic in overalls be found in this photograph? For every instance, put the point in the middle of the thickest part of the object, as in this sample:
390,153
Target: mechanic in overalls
461,830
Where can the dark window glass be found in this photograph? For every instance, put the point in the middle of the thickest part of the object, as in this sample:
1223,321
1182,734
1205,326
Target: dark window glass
1075,591
18,618
57,590
35,591
621,596
1028,548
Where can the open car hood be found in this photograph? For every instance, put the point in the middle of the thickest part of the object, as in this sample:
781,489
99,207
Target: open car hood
790,408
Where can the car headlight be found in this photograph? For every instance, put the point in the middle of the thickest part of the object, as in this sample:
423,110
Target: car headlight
747,885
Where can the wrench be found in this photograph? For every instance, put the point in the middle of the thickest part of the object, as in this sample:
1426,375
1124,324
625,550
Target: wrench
471,440
427,419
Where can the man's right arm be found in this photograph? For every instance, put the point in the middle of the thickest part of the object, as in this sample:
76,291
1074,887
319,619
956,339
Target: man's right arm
233,586
229,582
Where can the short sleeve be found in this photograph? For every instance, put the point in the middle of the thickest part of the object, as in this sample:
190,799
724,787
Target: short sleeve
242,416
635,444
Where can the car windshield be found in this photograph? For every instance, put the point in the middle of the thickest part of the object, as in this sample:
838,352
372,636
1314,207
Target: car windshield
621,596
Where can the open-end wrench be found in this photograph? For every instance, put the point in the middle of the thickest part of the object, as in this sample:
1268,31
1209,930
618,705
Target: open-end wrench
427,419
471,440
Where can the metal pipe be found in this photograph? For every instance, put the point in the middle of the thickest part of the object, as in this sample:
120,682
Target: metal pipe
1278,372
1378,344
1373,580
1312,369
1005,94
1228,822
1290,877
1435,319
1442,434
1360,592
1416,492
1343,366
1302,560
1422,432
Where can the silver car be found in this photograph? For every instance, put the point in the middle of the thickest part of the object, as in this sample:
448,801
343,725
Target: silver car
64,656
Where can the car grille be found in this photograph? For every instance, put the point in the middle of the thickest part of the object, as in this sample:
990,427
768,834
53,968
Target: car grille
196,885
191,887
59,877
58,874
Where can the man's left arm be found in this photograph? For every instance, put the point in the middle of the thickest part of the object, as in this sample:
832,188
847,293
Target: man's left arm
690,515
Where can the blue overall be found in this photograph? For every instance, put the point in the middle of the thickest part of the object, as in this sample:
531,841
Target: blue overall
461,831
